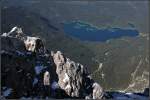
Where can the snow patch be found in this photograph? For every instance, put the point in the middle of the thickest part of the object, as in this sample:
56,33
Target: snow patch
20,71
3,88
13,29
106,53
54,85
48,62
4,34
20,53
38,69
28,53
26,98
35,81
3,51
7,92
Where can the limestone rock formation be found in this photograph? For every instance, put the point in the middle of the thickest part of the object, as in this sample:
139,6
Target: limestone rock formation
97,91
72,78
34,44
46,79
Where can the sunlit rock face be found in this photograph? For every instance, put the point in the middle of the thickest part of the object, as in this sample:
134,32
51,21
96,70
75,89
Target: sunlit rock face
46,80
97,91
69,80
73,78
34,44
16,32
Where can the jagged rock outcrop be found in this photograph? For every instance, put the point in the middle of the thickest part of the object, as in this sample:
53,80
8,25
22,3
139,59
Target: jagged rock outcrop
40,73
72,78
31,71
22,69
34,44
70,75
46,79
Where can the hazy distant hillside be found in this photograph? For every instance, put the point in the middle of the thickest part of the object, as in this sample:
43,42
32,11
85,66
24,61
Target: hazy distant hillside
98,13
123,61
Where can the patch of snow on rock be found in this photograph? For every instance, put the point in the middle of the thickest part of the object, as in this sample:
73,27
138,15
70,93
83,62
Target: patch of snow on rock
26,98
4,34
35,81
13,29
38,69
107,53
20,53
54,85
7,92
28,53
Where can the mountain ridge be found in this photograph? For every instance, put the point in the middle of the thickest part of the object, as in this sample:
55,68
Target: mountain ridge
62,77
49,75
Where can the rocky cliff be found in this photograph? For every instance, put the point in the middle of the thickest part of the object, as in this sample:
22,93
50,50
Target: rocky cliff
29,70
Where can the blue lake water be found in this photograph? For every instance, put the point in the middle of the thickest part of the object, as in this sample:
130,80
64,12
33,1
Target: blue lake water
87,32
